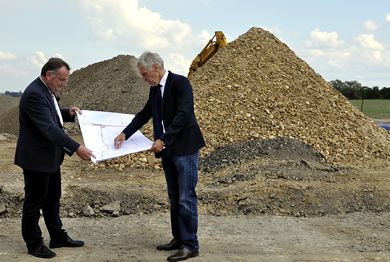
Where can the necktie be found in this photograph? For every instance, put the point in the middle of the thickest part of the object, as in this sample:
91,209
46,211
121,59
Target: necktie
57,109
158,132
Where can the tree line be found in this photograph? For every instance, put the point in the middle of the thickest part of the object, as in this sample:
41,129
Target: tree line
12,93
355,90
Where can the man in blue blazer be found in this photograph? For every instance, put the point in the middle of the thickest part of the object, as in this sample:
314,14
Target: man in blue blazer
177,140
40,153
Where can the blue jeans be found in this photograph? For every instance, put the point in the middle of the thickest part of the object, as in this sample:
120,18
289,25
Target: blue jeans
181,174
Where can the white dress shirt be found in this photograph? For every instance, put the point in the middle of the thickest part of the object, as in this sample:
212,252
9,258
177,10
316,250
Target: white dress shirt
55,103
162,84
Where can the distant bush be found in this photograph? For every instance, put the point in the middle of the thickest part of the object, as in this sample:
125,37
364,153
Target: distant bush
355,90
14,94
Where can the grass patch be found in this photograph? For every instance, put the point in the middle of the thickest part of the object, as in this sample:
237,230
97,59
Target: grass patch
374,108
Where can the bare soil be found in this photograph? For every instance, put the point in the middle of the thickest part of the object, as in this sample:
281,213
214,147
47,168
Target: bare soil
274,206
352,237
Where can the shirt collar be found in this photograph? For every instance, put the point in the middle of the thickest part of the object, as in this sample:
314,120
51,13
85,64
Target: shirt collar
50,92
164,78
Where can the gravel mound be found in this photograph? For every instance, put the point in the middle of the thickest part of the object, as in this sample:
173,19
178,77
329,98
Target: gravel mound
9,122
278,148
257,88
112,85
7,103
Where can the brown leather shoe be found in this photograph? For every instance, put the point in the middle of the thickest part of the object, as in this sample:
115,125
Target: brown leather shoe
183,254
174,244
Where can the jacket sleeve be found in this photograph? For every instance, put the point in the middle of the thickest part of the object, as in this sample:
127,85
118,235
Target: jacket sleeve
140,119
184,109
39,113
66,116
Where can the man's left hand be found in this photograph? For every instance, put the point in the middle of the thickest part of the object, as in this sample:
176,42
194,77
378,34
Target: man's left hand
157,146
73,110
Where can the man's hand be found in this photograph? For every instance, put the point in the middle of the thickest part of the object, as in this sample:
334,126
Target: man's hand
84,153
157,146
73,110
119,140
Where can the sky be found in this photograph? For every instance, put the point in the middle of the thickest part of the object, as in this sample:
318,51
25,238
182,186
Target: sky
347,40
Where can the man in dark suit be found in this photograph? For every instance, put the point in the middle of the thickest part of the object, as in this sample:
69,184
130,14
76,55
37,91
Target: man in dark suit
177,140
40,153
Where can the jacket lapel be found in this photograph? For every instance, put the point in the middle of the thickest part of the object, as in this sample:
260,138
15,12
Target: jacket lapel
50,101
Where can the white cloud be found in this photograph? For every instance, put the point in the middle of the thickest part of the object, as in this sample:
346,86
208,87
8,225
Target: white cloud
316,52
371,25
13,70
177,63
39,59
323,39
7,56
126,23
363,58
204,36
368,41
388,17
59,55
134,28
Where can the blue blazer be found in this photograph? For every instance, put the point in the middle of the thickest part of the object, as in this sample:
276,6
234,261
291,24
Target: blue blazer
42,140
182,133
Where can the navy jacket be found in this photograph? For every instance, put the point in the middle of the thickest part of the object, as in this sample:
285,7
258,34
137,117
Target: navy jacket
182,133
42,140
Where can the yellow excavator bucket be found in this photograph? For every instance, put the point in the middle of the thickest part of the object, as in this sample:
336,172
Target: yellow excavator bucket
212,46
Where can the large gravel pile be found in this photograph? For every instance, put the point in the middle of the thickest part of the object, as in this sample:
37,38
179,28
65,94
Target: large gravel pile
112,85
9,122
257,88
7,103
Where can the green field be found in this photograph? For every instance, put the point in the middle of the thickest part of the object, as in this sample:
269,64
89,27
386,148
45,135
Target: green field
374,108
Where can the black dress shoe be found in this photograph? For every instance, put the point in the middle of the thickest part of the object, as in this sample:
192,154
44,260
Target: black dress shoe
68,242
42,252
183,254
174,244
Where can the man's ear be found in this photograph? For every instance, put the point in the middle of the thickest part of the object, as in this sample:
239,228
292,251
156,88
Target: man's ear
48,75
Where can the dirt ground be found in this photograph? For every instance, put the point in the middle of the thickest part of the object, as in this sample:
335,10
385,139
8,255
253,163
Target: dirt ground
274,206
352,237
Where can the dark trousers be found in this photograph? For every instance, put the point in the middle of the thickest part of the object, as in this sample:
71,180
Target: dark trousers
181,173
42,191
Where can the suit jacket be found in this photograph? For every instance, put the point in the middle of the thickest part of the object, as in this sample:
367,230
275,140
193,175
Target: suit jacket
182,133
42,140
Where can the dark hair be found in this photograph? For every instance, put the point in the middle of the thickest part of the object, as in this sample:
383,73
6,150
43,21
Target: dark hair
53,64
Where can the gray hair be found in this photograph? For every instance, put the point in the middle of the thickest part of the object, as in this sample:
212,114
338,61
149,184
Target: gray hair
148,59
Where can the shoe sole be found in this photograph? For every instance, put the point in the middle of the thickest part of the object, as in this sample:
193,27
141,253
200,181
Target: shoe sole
42,256
167,249
181,259
60,245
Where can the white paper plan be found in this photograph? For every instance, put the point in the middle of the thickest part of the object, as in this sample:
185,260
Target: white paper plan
99,130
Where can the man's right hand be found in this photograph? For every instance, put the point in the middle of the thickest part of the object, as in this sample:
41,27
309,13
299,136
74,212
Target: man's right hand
119,140
84,153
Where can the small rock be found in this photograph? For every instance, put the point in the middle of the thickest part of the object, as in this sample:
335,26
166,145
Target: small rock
115,213
21,197
88,211
112,207
2,138
3,209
